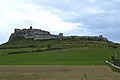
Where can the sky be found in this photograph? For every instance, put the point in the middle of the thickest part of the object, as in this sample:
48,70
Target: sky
71,17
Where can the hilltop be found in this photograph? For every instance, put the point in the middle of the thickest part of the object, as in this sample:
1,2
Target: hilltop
25,38
41,38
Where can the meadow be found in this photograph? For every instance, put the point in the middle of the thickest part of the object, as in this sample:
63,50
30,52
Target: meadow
57,60
73,56
57,52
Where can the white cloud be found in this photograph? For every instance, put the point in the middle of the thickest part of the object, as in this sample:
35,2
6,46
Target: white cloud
40,17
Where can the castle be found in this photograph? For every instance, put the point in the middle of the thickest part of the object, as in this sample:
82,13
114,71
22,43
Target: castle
38,34
33,34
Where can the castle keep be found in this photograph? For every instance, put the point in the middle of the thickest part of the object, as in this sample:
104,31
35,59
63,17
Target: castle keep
38,34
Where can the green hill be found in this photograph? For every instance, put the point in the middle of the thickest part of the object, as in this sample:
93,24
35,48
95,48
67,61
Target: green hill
73,43
57,52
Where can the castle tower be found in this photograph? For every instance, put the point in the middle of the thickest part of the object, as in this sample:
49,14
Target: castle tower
30,27
60,35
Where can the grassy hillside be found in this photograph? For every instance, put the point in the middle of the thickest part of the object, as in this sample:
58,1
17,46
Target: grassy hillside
63,57
25,43
57,52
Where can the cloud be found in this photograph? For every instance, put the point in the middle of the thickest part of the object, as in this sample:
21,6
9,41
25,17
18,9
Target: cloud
38,16
41,17
80,17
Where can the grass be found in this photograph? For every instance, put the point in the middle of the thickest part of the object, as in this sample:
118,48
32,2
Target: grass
73,52
55,43
74,56
118,53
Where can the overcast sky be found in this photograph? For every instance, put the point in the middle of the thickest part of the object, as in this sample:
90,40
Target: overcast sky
72,17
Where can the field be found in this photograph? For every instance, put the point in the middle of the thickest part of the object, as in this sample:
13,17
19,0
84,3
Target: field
57,60
57,52
76,56
52,72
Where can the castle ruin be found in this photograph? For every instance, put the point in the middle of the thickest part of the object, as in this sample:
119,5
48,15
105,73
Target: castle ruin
38,34
33,34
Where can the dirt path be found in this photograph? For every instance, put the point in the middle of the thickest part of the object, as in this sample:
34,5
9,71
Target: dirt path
38,72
